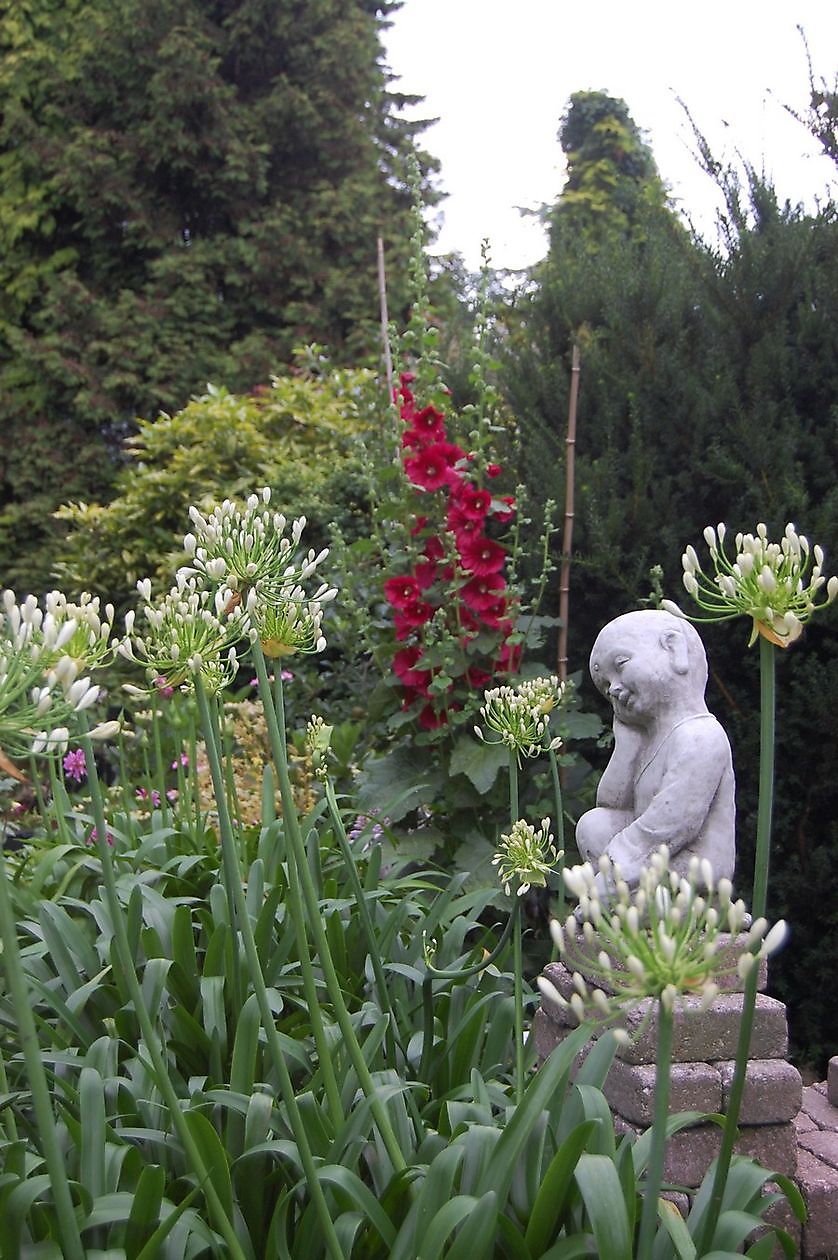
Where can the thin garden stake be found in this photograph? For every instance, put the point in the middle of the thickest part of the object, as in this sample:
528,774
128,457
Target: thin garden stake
567,535
385,318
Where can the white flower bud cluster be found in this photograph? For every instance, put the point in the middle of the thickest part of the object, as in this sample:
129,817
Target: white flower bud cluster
248,549
526,857
192,630
520,715
661,941
42,652
776,584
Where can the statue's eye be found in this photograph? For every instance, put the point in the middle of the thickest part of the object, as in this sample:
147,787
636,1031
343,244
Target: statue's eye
621,661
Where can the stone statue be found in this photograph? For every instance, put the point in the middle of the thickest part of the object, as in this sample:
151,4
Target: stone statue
670,777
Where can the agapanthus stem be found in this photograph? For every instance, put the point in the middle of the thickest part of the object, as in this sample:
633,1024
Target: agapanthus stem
71,1244
275,718
258,981
149,1033
513,787
364,915
518,972
767,705
730,1132
654,1174
559,807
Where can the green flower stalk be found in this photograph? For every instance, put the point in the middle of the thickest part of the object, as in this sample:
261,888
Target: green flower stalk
777,585
661,941
525,858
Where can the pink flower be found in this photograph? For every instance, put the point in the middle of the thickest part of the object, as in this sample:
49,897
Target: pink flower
506,514
463,526
425,573
182,760
163,687
428,426
481,555
143,794
74,764
94,836
430,720
493,470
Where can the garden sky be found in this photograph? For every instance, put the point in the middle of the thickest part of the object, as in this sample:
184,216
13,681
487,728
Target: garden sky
498,74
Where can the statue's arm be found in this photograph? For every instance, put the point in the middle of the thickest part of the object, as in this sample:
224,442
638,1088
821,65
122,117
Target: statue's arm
695,761
616,787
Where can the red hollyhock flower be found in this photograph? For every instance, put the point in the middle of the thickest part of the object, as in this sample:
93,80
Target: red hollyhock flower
430,720
494,616
493,470
409,618
403,667
421,522
432,467
481,555
463,526
401,591
477,677
509,658
426,571
481,592
430,424
434,548
471,501
507,515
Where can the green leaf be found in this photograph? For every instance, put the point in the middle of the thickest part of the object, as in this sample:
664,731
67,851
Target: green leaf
676,1227
552,1195
478,761
602,1193
214,1157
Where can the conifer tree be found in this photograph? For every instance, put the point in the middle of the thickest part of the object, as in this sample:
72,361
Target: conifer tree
188,189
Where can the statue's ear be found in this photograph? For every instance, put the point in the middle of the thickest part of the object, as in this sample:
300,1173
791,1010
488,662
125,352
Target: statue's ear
676,646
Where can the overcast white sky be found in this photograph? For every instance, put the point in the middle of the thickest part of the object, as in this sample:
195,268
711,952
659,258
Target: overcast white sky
498,75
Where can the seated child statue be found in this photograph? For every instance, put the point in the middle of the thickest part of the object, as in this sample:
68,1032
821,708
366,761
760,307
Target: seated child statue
670,777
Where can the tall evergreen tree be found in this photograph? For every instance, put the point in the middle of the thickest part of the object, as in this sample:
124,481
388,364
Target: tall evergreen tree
188,188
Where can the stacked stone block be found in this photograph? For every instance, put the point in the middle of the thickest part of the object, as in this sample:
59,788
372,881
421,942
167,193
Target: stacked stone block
704,1048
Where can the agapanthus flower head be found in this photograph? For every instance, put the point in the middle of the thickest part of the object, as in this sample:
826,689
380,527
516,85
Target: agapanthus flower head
526,857
90,641
249,549
661,941
520,716
40,687
191,631
292,625
776,584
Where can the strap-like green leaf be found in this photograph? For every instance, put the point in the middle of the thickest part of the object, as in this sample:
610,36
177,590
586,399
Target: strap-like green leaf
550,1201
602,1193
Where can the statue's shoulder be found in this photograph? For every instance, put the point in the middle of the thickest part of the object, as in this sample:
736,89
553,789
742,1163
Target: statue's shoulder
701,731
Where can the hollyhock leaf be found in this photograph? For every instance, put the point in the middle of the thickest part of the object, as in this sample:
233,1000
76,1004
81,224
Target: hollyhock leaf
478,762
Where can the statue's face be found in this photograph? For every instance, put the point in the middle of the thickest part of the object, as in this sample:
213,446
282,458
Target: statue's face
635,672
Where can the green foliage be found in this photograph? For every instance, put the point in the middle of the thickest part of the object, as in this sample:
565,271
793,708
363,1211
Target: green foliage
295,436
612,180
187,191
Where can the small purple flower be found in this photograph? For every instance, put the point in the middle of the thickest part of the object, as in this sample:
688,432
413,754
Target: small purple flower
171,795
94,836
182,760
162,684
74,764
143,794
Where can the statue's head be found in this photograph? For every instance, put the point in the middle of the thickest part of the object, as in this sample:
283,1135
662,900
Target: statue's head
647,663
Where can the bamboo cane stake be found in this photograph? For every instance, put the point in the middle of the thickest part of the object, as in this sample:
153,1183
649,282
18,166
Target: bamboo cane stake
567,533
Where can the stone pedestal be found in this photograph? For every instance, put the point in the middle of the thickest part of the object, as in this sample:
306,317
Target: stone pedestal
704,1048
